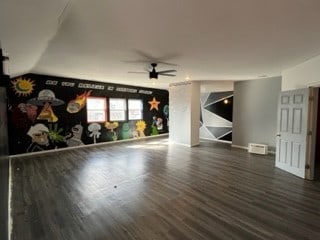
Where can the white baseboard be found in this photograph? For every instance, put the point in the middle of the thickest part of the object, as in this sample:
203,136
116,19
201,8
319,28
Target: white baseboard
238,146
183,144
88,145
216,140
272,152
246,148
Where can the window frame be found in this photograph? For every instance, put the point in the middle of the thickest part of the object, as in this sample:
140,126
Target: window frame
141,108
104,109
124,111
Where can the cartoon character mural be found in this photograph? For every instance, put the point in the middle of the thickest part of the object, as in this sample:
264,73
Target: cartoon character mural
23,115
39,134
94,131
30,110
47,99
111,126
166,113
154,130
78,103
156,126
159,124
140,126
125,131
55,134
47,112
74,137
22,86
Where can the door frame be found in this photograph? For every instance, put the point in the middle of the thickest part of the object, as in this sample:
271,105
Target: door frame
312,133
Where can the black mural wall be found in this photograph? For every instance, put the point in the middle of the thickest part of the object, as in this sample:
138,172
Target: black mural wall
47,112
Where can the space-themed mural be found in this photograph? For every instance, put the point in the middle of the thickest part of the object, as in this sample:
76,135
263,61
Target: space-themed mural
47,112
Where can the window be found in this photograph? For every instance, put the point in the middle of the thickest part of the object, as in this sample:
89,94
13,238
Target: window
118,108
135,108
96,109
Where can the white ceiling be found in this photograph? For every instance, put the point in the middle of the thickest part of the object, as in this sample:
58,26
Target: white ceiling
207,39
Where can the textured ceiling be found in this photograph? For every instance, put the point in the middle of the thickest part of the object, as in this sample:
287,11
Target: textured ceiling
207,39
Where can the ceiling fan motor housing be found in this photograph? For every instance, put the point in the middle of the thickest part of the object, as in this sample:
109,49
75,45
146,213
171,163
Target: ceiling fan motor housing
153,74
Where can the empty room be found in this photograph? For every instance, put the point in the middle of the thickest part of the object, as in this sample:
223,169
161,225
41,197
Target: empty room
180,120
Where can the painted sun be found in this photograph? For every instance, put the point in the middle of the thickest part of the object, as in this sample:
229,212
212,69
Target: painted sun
141,125
22,86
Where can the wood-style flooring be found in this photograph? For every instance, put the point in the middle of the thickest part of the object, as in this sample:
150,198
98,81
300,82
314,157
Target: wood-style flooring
150,189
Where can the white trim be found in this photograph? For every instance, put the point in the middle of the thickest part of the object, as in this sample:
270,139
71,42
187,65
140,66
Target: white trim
246,148
238,146
88,145
186,145
271,152
179,84
216,140
314,84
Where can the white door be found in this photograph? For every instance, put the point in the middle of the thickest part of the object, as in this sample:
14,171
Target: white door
292,131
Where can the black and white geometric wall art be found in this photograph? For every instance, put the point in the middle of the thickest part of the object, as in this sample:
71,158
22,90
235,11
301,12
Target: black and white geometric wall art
216,116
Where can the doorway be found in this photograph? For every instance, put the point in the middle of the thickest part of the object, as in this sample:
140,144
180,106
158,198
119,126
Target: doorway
317,153
4,165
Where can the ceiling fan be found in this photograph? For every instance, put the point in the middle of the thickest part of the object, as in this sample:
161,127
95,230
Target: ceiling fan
153,74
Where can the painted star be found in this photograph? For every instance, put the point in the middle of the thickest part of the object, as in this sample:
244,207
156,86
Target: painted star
154,104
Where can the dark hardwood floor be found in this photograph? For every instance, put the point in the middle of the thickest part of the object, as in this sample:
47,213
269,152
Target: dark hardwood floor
151,190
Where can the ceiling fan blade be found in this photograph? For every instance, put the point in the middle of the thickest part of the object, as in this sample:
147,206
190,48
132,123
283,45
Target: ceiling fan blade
144,54
160,60
139,72
167,71
167,63
148,68
136,61
166,74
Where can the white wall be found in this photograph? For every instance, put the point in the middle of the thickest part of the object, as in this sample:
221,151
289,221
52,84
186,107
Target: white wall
255,105
216,86
195,114
184,112
303,75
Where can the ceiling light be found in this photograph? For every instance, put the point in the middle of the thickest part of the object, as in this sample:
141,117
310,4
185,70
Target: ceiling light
226,101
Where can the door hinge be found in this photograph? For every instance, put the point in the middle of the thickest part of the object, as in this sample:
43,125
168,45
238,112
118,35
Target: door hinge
309,133
307,166
311,98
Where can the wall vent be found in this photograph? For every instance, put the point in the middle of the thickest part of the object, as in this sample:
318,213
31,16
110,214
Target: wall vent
258,148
